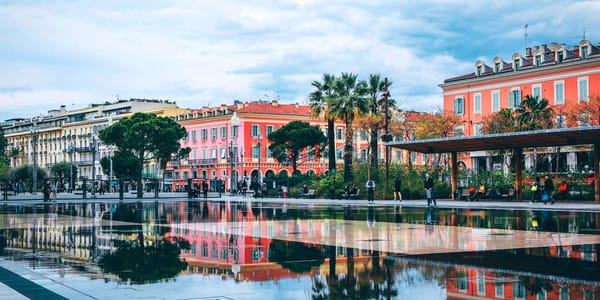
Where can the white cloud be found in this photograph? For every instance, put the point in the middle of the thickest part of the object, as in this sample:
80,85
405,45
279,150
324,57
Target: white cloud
200,53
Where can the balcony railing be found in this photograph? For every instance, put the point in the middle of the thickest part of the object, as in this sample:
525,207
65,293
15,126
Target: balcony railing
203,162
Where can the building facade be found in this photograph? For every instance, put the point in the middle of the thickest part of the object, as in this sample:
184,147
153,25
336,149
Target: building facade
562,75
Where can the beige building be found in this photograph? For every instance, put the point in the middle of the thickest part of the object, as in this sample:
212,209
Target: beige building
72,136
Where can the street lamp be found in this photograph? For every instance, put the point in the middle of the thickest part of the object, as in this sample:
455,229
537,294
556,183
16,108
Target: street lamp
34,136
93,146
258,179
71,150
235,123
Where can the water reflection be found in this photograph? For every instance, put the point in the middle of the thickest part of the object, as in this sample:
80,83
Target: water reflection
344,252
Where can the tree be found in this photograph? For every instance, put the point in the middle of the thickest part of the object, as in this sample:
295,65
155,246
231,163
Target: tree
585,112
62,173
439,125
534,114
288,141
319,105
144,136
374,90
3,156
502,121
348,103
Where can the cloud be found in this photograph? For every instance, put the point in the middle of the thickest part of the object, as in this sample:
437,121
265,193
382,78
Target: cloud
208,53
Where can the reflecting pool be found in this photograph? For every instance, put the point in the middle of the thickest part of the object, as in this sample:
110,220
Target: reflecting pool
238,249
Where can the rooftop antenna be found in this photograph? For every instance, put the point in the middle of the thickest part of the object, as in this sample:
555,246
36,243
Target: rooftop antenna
526,43
584,34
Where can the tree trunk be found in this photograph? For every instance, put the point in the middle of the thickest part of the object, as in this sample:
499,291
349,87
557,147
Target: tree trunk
140,191
331,141
348,151
374,152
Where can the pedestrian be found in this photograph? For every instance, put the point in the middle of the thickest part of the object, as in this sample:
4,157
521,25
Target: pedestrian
54,188
284,191
370,190
205,189
397,189
535,190
428,183
549,189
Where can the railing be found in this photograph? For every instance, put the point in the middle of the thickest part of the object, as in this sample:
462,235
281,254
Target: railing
203,162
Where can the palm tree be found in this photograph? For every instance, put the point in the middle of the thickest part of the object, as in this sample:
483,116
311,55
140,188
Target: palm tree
534,113
348,103
319,104
375,88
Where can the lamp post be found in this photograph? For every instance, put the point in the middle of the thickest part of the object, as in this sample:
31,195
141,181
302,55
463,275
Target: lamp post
386,95
71,150
34,136
258,179
235,123
93,145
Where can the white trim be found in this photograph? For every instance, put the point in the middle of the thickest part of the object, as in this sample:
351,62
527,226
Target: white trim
475,110
537,85
587,83
522,82
562,83
497,92
513,104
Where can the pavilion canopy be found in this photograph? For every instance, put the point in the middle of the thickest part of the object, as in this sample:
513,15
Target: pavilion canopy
524,139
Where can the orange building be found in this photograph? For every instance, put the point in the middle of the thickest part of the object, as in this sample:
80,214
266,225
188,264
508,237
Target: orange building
563,75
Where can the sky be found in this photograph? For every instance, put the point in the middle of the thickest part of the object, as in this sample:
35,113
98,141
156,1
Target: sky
207,53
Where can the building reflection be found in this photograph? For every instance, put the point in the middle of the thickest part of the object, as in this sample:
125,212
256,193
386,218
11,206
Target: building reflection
246,241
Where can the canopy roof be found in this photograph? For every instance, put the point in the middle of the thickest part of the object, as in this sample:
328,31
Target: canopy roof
524,139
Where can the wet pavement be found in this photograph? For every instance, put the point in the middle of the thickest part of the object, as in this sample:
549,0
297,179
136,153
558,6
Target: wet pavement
273,248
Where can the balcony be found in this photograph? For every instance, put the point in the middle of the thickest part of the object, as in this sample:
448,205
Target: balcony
203,162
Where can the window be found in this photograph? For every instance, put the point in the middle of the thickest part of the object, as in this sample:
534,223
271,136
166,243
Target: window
459,131
560,56
223,153
559,92
338,154
480,283
193,135
204,134
462,282
203,154
564,293
213,133
538,60
255,151
269,154
479,70
213,153
255,130
339,133
270,128
497,67
495,101
499,287
477,103
459,106
536,91
582,89
223,132
516,64
234,131
514,98
584,51
541,295
477,129
363,135
560,120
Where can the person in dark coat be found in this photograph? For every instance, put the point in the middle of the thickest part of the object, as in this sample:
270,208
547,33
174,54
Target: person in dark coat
549,189
397,189
428,184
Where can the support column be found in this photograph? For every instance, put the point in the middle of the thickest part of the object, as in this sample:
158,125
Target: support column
518,157
453,172
597,172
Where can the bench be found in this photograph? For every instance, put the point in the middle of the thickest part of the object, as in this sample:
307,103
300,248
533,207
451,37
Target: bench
351,196
465,194
509,195
310,194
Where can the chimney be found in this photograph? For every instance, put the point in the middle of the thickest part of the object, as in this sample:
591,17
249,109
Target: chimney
528,51
544,46
274,103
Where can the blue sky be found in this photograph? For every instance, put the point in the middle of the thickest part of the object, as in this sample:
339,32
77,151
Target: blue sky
201,53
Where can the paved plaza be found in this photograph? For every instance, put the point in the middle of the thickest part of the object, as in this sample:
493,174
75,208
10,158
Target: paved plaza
18,282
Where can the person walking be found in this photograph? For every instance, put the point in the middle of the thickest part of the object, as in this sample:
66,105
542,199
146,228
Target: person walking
397,189
549,189
370,190
205,189
535,189
428,183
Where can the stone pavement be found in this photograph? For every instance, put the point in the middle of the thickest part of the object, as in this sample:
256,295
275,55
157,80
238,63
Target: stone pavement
17,283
